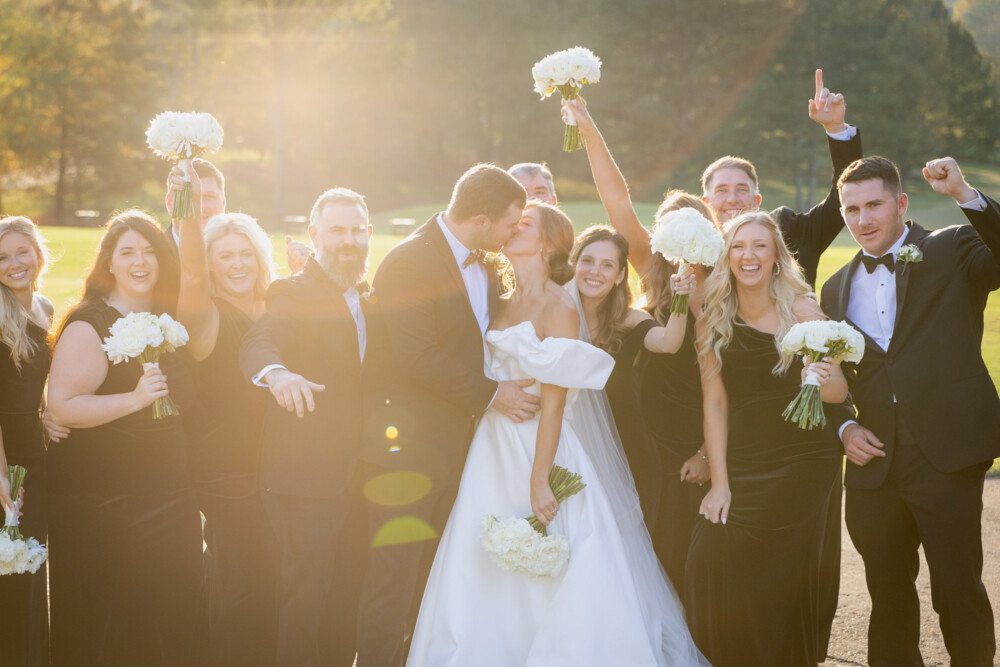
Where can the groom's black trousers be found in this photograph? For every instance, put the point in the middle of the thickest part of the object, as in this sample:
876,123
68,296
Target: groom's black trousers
918,504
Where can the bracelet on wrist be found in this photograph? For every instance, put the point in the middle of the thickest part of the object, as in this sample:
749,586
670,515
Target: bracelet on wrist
702,455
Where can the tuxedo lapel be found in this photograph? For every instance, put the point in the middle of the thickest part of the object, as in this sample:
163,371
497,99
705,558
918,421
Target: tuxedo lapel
440,243
915,236
334,307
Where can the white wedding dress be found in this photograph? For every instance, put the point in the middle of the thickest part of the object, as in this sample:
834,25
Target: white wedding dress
612,606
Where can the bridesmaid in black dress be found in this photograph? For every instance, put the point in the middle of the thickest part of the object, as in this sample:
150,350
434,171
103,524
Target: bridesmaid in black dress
25,320
225,271
670,390
601,280
755,571
124,530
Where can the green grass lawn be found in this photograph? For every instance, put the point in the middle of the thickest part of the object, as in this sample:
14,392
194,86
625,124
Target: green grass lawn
73,249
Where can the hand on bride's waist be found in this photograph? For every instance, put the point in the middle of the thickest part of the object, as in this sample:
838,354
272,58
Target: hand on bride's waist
515,401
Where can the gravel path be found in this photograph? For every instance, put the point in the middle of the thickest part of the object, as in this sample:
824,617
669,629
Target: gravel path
850,629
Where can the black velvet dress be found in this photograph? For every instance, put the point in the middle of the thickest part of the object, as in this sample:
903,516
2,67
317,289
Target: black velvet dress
124,533
756,586
622,390
24,609
224,429
672,406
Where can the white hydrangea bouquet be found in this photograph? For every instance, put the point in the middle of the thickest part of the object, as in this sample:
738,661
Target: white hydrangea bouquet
818,340
146,336
524,545
684,236
181,137
18,554
567,71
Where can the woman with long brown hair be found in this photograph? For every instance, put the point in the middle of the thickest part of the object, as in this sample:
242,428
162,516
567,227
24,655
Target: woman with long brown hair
125,535
25,320
670,387
599,259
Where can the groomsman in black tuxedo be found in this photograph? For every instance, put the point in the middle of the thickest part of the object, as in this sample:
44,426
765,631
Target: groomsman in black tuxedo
930,411
426,387
309,350
730,187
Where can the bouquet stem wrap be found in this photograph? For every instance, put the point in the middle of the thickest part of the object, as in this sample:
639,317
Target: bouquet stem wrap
679,304
183,207
162,407
572,140
806,409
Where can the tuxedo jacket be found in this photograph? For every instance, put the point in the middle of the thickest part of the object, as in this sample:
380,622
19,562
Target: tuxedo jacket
425,383
808,234
308,328
934,365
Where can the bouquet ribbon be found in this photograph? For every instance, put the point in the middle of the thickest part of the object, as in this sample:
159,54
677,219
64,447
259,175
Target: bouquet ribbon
10,516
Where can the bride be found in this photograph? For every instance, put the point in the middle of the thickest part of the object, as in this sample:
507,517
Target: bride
612,605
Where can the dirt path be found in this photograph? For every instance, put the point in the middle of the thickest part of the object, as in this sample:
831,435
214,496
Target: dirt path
850,629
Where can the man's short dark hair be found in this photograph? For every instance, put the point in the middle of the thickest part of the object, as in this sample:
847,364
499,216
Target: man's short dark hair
485,190
870,168
206,169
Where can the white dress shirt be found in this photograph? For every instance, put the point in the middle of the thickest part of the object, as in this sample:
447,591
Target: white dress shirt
477,283
872,305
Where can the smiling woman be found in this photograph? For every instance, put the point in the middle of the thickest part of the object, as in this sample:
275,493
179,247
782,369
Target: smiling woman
123,518
25,319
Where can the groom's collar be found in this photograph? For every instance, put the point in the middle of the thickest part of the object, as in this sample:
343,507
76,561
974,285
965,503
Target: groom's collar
457,249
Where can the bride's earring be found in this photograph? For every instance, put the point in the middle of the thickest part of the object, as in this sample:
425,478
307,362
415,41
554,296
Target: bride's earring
777,269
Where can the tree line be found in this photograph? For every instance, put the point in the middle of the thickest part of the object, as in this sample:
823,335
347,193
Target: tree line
395,98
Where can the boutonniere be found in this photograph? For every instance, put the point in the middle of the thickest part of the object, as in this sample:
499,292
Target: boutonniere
367,293
910,253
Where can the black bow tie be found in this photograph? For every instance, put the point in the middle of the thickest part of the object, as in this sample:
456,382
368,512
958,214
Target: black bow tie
476,255
885,260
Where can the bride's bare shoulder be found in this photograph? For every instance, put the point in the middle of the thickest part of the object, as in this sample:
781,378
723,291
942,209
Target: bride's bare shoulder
560,318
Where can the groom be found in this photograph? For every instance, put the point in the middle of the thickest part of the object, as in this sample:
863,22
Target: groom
434,296
930,411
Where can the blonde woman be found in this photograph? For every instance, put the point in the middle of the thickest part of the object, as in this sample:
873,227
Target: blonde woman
754,583
25,320
225,272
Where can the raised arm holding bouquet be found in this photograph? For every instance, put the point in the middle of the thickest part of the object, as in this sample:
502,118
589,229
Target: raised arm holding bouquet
181,137
567,71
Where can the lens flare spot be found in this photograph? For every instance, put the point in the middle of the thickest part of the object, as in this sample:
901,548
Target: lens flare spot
395,449
391,432
403,530
397,488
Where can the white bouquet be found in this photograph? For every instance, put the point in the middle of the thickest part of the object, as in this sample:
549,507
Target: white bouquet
146,336
515,546
567,71
17,553
818,340
182,137
523,545
684,236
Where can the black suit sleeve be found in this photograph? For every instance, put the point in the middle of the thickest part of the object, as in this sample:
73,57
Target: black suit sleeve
979,248
261,345
411,325
809,234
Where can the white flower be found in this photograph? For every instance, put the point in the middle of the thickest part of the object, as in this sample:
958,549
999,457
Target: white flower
794,340
515,546
176,136
576,67
685,235
173,331
910,253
